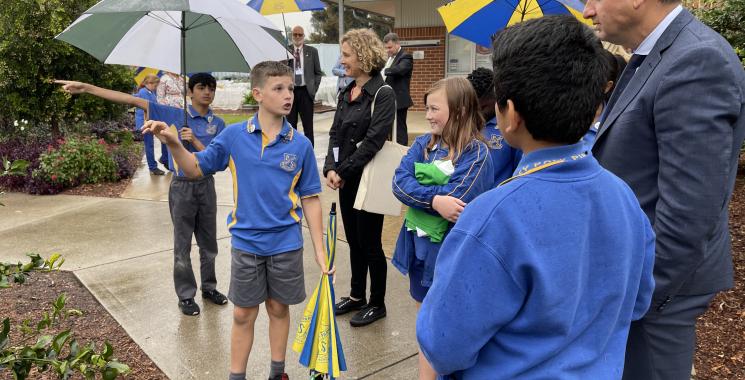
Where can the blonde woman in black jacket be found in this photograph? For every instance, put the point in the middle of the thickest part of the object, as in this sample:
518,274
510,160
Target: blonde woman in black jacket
355,137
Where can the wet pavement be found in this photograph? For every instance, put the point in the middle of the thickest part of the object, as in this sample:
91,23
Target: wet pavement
121,250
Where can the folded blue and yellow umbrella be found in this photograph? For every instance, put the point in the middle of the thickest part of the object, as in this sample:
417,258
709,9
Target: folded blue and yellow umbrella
478,20
317,339
271,7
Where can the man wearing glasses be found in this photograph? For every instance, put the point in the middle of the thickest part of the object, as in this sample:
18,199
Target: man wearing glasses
308,76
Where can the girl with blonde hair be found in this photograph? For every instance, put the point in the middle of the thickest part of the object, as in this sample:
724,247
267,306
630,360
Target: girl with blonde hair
442,171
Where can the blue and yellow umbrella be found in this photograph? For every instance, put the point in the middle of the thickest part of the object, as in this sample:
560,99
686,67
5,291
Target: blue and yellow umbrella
478,20
142,72
317,339
272,7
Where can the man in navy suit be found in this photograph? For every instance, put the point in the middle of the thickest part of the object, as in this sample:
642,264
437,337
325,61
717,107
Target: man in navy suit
673,130
397,73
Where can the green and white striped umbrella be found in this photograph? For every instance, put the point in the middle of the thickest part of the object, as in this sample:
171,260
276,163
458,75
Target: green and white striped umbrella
180,36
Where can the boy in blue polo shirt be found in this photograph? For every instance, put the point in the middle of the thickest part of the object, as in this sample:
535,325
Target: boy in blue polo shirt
542,276
504,158
193,203
274,171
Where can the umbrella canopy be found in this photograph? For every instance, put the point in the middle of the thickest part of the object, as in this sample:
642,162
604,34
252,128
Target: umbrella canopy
271,7
180,36
478,20
317,339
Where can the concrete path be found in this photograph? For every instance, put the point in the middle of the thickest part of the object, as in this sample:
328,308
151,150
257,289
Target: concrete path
121,250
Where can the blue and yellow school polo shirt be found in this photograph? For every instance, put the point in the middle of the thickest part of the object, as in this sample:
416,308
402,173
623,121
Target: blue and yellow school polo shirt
204,128
504,158
269,179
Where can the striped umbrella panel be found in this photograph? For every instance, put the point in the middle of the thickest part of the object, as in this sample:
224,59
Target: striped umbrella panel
270,7
478,20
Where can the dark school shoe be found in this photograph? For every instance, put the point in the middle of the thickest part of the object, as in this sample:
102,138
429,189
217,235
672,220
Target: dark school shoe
281,376
188,307
216,297
367,316
157,171
346,304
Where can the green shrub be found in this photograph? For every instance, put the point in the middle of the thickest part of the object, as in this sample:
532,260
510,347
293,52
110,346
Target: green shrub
78,161
727,17
249,99
30,59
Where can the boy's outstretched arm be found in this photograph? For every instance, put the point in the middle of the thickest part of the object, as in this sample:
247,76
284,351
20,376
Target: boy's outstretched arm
312,210
185,159
75,88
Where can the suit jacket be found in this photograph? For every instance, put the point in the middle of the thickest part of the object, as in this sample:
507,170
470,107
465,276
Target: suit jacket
398,76
674,136
311,68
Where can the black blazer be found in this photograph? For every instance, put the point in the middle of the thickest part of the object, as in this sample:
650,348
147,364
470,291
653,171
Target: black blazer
311,68
354,125
398,76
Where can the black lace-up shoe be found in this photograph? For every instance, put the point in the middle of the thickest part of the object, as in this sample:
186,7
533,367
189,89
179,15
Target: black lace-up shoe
346,304
367,316
216,297
188,307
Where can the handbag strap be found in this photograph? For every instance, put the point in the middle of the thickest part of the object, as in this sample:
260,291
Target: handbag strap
395,114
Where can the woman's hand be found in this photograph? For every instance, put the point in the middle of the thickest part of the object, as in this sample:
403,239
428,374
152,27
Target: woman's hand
449,207
333,180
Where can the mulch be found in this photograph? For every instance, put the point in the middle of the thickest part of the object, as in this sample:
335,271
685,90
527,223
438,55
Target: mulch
105,189
721,330
31,300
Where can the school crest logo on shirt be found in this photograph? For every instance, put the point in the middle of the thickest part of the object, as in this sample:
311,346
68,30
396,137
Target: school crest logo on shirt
211,129
495,142
289,163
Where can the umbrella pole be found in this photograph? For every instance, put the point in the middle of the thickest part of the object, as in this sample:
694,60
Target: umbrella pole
287,40
183,60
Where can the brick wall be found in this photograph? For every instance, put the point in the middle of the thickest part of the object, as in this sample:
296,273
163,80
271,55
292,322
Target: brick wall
427,70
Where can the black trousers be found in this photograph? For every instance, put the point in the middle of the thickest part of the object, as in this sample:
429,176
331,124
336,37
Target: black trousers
661,345
193,205
302,105
363,231
402,131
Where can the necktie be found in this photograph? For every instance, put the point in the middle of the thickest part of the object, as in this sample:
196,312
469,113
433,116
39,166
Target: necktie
634,63
298,77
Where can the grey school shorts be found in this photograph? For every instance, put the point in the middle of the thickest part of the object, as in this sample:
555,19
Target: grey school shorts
255,278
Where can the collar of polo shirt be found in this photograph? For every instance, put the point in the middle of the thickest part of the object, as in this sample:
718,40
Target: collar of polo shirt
287,132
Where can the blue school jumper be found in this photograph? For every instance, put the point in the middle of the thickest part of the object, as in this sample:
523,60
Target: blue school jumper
148,95
473,175
269,180
204,128
542,276
504,158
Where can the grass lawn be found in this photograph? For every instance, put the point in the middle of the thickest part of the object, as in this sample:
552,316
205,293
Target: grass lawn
233,118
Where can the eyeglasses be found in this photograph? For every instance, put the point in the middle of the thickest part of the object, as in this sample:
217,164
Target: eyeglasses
297,34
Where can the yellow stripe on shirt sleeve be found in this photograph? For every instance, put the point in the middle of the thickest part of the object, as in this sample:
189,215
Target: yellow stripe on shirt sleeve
293,196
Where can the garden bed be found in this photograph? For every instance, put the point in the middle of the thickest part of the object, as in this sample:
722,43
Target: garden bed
30,300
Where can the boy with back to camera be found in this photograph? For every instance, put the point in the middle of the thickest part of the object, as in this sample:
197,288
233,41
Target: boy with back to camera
542,276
